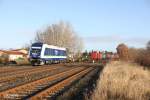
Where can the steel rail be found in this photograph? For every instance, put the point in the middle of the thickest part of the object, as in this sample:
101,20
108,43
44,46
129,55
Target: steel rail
45,94
29,88
24,73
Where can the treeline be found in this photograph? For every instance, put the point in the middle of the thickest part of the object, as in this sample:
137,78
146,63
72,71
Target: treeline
140,56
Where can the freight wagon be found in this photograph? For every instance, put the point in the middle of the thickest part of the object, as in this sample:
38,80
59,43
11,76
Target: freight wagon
96,55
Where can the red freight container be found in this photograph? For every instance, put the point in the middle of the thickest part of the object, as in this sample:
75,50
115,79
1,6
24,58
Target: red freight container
99,56
95,55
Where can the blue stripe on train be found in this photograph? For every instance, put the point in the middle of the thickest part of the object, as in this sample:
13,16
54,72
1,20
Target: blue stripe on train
54,59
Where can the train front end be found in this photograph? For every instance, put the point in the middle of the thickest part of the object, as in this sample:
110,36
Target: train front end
35,53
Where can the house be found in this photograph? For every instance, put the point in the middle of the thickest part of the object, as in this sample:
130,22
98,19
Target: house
1,52
21,50
14,54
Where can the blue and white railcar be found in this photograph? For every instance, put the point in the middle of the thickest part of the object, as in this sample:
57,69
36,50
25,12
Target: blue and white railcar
43,53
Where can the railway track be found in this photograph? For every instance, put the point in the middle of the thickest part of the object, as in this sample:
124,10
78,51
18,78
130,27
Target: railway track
27,76
44,87
15,71
23,72
49,92
12,69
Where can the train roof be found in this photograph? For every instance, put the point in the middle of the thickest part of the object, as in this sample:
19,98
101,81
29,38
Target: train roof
54,47
39,44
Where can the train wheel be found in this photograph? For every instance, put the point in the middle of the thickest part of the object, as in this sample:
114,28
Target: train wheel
32,63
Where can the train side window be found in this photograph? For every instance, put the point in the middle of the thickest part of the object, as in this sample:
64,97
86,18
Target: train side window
62,54
53,52
59,52
49,51
45,53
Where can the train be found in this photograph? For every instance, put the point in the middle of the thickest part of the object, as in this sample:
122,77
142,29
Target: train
105,55
99,56
40,54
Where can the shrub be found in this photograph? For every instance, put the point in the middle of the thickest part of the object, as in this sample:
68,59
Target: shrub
140,56
21,61
123,52
4,59
123,81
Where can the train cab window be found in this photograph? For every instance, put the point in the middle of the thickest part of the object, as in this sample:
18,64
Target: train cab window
35,51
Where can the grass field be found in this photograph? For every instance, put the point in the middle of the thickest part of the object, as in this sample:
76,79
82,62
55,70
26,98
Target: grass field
123,81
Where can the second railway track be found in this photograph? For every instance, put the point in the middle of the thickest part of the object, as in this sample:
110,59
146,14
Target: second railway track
26,76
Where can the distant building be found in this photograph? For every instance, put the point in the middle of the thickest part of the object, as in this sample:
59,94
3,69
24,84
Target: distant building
21,50
14,54
1,52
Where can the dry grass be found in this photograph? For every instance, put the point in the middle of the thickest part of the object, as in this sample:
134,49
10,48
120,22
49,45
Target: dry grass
123,81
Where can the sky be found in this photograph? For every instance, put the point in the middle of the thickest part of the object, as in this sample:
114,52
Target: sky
102,24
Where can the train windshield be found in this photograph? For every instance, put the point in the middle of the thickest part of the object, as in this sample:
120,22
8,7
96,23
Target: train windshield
35,51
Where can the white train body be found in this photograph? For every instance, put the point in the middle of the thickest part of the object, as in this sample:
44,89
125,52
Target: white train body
44,53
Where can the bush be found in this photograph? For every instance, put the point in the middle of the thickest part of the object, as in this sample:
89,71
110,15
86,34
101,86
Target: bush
4,59
123,52
123,81
143,56
140,56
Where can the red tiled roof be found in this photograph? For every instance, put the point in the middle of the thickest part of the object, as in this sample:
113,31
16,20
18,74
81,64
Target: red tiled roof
17,49
2,50
13,52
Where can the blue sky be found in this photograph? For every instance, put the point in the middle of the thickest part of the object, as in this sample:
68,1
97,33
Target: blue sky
101,23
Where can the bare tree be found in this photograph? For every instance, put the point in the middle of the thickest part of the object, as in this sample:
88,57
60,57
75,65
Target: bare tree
63,35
